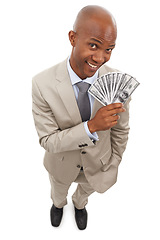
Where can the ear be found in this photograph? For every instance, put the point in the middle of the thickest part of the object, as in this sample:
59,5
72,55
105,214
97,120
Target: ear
72,38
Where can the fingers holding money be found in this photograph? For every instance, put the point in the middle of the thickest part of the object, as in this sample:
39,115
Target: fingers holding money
113,109
112,106
106,117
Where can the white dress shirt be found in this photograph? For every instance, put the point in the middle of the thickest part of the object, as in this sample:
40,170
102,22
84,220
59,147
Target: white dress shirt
75,79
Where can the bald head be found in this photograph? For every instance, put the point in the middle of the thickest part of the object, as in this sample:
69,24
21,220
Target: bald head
91,14
93,38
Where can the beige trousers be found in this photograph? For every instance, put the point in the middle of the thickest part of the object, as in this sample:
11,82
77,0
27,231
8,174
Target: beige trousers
59,192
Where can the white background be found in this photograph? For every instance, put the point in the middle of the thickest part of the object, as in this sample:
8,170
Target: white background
34,36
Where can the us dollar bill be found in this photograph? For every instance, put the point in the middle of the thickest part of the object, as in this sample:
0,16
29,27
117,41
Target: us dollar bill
97,95
113,87
126,92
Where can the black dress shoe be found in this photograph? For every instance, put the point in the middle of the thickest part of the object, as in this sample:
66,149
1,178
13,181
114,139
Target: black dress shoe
81,218
56,216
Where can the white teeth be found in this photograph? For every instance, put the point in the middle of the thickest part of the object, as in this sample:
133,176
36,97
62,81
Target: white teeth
91,65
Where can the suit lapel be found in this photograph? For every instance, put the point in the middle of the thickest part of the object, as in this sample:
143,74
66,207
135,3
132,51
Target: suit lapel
66,93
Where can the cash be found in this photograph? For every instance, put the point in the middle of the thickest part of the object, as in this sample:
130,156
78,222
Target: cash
114,87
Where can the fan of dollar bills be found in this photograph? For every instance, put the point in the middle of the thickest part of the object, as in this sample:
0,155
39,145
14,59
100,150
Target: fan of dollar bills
113,87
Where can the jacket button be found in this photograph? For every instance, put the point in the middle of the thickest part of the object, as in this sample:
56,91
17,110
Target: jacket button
78,166
83,152
84,145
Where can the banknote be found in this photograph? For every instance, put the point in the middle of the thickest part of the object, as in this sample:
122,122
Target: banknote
113,87
97,95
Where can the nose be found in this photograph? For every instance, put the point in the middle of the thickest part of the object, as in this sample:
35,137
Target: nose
99,57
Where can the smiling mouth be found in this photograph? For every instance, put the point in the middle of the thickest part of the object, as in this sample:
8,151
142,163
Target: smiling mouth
91,65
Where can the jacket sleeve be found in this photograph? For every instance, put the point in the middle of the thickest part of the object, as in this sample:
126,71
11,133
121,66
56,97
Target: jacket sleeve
51,137
119,134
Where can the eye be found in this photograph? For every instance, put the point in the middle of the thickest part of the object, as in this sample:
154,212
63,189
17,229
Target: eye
93,45
109,50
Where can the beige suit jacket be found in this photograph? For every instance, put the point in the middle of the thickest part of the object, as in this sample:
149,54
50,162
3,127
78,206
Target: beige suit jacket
62,134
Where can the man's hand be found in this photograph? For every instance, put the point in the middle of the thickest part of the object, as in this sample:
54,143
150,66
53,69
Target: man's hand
105,117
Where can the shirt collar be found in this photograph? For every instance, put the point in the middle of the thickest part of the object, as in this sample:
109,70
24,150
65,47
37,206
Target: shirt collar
74,77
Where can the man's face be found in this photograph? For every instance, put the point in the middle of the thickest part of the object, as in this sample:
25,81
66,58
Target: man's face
92,47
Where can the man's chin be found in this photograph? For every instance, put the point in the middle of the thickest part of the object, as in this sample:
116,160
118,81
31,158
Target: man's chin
90,73
87,75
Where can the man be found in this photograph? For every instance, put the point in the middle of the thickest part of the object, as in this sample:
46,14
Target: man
84,141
